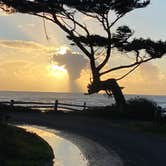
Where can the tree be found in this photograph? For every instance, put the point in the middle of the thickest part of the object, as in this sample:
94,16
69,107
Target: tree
65,14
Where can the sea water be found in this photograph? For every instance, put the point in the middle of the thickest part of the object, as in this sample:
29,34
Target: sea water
72,98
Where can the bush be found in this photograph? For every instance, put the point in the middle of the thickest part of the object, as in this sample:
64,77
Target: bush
142,109
21,148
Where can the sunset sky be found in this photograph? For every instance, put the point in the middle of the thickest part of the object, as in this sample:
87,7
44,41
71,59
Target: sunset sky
30,62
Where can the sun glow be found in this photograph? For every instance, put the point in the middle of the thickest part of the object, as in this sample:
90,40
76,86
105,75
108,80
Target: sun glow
58,71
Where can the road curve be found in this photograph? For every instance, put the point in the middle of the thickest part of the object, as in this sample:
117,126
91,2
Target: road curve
134,148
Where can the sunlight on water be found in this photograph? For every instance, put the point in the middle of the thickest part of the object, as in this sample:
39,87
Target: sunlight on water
65,152
72,98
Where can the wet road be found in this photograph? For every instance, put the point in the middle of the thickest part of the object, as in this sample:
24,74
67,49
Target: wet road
134,148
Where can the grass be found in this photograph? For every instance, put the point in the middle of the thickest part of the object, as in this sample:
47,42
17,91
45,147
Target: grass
143,126
21,148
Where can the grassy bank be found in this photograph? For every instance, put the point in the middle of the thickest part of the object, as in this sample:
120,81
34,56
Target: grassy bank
21,148
145,127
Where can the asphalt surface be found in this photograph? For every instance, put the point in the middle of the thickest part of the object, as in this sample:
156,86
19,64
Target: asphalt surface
134,148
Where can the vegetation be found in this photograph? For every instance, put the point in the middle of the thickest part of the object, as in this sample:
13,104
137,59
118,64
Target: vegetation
95,45
4,108
21,148
141,108
136,109
142,126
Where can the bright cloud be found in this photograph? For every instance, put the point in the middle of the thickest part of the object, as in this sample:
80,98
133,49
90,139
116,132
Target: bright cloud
27,65
22,44
73,62
24,66
148,79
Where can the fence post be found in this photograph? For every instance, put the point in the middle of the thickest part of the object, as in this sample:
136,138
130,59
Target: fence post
12,105
84,106
56,105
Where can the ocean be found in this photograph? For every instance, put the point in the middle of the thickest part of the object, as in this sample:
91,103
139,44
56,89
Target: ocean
72,98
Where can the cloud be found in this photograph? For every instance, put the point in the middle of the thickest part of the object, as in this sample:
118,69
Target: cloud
26,25
74,63
27,62
27,46
24,66
19,44
19,49
150,72
28,75
15,50
148,79
2,13
87,18
84,79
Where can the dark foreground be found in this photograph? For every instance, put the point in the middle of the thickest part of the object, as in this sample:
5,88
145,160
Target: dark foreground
134,148
21,148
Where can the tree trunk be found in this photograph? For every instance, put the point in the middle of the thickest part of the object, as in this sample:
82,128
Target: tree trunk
117,93
108,85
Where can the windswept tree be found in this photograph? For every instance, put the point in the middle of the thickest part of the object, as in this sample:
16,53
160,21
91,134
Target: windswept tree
66,15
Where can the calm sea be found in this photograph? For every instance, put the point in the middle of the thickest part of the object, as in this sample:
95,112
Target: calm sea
72,98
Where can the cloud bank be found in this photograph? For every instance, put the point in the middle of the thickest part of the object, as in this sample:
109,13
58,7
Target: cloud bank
74,63
24,66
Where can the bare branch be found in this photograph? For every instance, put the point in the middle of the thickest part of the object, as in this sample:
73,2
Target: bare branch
99,19
138,56
62,19
108,53
125,66
89,15
103,21
120,16
82,27
44,16
125,75
72,35
76,22
109,93
100,54
45,30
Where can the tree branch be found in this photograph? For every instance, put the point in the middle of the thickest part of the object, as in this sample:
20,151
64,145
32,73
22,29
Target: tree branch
120,16
82,27
72,35
108,53
125,75
125,66
89,15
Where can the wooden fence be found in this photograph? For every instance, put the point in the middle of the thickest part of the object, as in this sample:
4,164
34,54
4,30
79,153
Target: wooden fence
55,106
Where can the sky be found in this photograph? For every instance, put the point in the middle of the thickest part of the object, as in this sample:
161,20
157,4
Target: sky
30,62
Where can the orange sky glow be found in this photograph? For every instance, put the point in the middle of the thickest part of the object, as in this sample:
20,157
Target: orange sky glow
30,62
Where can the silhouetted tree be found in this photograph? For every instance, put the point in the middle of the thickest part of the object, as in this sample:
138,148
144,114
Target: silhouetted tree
66,14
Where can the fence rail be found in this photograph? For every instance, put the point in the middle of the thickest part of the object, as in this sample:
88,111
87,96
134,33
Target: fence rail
25,102
55,105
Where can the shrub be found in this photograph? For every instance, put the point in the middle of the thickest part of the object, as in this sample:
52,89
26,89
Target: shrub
142,109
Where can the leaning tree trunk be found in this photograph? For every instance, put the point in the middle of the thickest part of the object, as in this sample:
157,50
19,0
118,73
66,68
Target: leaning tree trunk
117,92
108,85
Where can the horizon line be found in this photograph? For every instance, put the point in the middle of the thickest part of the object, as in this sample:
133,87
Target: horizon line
36,91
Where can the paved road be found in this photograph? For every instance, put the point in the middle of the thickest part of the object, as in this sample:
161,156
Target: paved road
135,149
